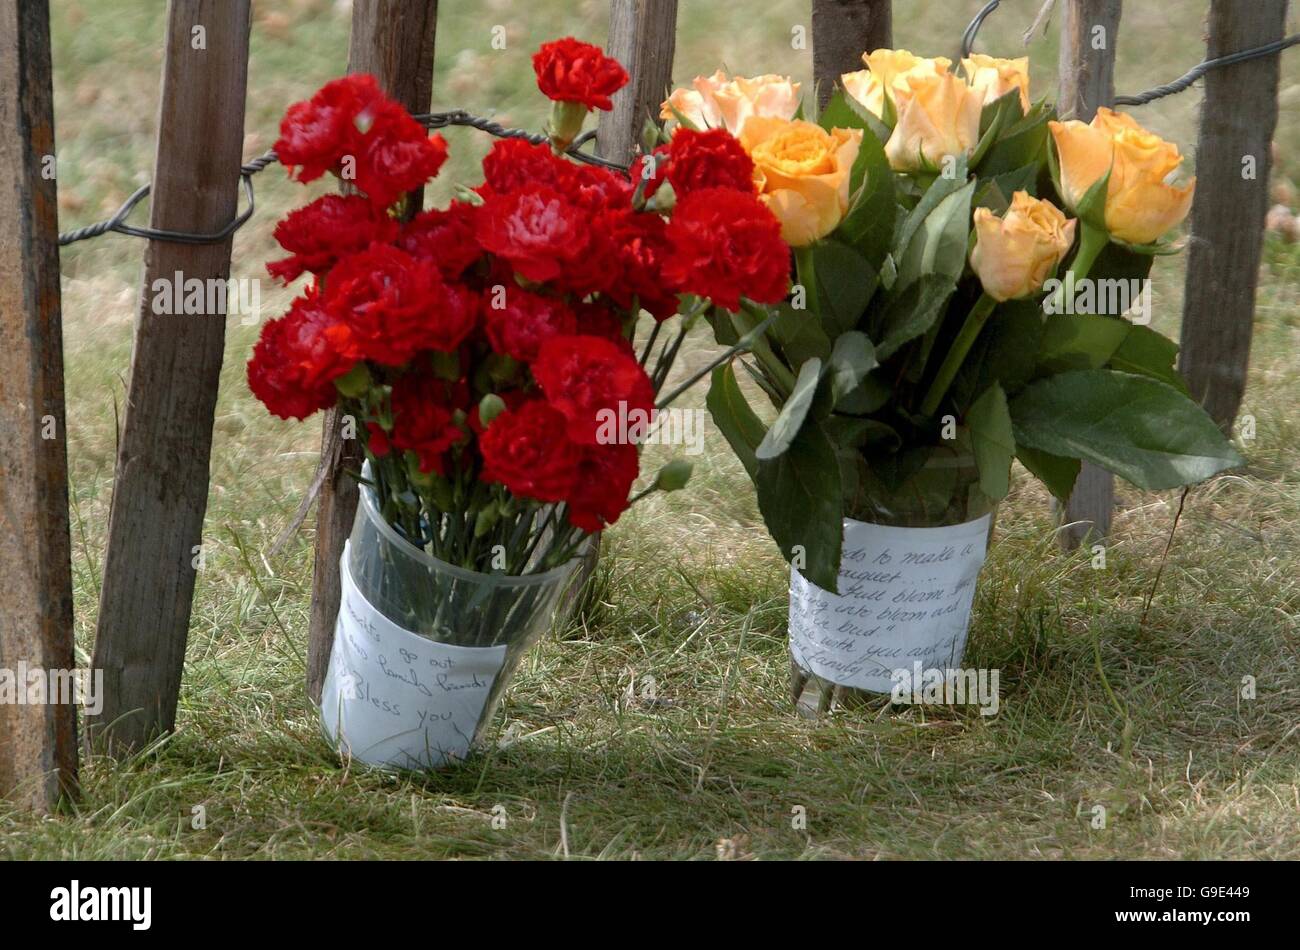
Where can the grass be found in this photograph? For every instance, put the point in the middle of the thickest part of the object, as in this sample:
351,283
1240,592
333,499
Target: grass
590,759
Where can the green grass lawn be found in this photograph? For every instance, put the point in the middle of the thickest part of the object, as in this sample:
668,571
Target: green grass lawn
1147,720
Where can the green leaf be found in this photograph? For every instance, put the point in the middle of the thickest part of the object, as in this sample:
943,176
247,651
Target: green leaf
838,114
869,223
1056,472
992,440
996,193
870,395
1148,353
842,282
799,335
1137,427
939,244
1079,341
851,359
930,199
792,415
1006,352
1022,143
800,497
1000,114
912,312
734,418
850,433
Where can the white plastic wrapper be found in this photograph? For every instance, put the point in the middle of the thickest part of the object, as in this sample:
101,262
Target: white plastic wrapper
905,597
396,699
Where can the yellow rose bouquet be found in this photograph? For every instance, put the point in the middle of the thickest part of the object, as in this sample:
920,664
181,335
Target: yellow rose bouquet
963,265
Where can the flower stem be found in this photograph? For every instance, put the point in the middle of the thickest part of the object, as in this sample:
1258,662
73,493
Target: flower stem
1092,241
966,338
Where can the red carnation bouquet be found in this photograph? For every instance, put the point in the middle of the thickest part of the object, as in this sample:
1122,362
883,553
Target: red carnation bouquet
479,347
480,351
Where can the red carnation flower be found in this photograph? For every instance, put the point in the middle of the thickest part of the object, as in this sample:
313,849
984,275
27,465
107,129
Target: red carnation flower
316,134
396,154
526,322
585,378
535,229
569,70
599,319
595,188
526,450
297,359
395,305
512,164
604,478
444,237
712,159
725,244
423,422
331,227
639,244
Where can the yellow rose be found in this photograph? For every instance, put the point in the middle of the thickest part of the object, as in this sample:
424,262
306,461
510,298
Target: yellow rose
1016,253
1140,204
993,78
940,117
718,102
889,69
802,173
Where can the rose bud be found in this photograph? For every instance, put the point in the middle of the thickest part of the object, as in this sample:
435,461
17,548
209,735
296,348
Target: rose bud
939,118
1015,254
1140,205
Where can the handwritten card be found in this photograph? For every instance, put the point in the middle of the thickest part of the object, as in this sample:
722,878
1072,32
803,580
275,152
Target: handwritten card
905,597
394,698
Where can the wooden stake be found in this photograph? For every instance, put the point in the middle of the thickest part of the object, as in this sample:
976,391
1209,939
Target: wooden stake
1089,33
643,37
392,40
842,31
38,742
1233,163
160,487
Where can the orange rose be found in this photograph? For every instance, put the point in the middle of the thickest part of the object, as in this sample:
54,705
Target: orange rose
1140,204
802,173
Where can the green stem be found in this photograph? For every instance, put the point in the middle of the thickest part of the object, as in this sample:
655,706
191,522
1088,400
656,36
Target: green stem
1092,241
749,340
966,338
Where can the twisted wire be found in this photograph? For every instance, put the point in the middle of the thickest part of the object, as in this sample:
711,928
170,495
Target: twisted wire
431,120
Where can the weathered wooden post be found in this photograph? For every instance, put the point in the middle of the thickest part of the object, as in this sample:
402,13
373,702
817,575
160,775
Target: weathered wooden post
1089,32
392,40
38,742
643,37
160,488
842,31
1233,161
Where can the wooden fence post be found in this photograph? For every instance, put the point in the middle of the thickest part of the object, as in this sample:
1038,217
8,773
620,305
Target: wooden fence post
160,488
38,743
842,31
643,37
1089,33
1233,161
393,41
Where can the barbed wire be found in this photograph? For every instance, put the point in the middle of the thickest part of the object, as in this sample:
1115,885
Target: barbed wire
1159,92
430,120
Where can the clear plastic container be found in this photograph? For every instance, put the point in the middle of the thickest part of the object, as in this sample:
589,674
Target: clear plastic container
488,614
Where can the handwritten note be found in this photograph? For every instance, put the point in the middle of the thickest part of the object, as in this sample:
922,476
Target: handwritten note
905,597
394,698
